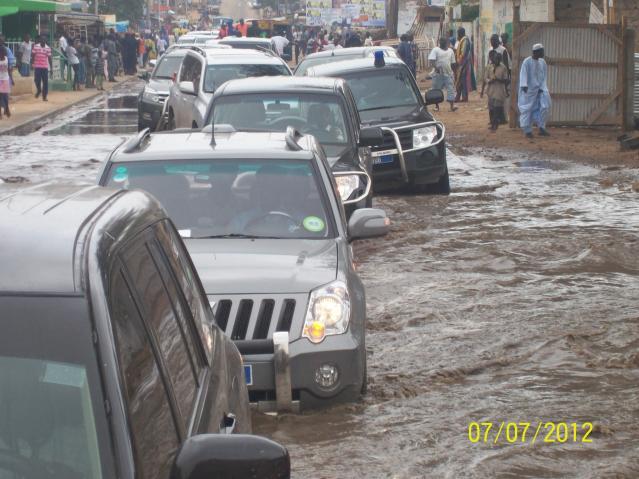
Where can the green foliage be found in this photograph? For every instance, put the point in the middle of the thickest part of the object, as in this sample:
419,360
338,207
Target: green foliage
124,9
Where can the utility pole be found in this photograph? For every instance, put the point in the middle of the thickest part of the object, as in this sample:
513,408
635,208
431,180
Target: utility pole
95,5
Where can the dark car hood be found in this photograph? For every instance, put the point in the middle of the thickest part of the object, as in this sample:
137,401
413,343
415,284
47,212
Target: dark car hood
245,266
396,116
160,85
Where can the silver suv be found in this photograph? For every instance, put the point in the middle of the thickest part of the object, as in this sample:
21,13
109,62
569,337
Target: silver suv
205,69
263,221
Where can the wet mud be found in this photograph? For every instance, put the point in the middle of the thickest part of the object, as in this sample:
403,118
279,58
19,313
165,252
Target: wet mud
512,299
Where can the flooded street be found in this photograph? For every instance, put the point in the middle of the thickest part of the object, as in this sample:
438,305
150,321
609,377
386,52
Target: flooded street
513,299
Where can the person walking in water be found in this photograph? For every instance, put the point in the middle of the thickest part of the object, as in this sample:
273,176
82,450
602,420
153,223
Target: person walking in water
496,79
534,99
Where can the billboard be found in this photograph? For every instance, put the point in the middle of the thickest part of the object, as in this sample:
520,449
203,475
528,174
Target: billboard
357,13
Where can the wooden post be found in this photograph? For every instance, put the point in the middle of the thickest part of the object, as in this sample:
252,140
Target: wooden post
513,118
627,96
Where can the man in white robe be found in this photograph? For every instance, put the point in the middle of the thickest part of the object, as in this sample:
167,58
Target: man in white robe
534,99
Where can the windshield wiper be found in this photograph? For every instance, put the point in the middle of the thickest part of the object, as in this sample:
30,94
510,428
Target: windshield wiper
234,235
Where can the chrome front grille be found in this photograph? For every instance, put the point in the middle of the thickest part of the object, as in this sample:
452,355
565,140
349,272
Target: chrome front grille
405,139
257,316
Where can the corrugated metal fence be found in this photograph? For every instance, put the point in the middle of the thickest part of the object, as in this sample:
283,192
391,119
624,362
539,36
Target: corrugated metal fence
585,70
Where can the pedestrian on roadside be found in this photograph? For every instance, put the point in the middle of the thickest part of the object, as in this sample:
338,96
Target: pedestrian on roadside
452,40
223,32
140,50
368,40
100,65
41,60
405,52
161,46
414,51
442,59
10,56
5,82
83,56
495,44
496,78
112,50
465,80
25,55
280,42
534,99
74,61
63,43
242,28
297,43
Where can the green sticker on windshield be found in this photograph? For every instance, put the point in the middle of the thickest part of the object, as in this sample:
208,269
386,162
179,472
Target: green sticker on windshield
313,224
121,169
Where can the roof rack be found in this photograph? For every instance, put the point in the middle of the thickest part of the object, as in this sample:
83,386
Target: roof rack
135,142
292,135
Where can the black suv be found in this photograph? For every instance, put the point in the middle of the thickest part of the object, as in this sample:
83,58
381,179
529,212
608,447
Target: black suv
322,107
156,90
413,152
110,363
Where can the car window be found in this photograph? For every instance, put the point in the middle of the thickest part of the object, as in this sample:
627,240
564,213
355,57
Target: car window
168,66
247,197
191,71
186,277
162,317
322,116
155,439
216,75
382,88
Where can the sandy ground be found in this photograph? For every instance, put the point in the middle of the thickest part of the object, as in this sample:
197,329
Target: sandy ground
468,127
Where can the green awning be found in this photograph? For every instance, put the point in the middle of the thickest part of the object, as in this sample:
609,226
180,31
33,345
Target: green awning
41,6
4,11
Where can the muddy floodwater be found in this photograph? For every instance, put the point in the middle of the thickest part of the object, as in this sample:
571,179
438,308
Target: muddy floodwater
514,299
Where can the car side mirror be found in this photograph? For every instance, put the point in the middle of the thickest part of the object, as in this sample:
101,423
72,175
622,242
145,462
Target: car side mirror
434,97
367,223
152,63
187,87
371,136
227,456
145,76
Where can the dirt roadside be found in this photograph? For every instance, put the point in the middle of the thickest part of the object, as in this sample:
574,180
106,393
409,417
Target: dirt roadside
468,128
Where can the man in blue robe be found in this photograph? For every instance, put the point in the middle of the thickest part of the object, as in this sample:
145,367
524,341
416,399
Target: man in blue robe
534,99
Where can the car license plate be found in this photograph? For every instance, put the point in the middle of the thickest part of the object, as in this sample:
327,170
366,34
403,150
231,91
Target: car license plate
382,160
248,374
376,154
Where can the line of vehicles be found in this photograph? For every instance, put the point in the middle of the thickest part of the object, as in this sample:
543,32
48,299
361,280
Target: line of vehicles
210,269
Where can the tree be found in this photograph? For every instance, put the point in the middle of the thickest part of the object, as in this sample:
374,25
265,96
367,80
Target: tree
123,9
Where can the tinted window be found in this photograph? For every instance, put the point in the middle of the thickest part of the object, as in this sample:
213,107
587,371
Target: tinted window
154,435
218,74
161,315
262,198
319,115
177,255
168,66
382,88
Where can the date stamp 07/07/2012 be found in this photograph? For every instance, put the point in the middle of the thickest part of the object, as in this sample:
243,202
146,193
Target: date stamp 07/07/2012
506,432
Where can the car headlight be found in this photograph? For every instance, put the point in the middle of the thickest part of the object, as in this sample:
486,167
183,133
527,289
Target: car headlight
151,95
329,311
423,137
346,185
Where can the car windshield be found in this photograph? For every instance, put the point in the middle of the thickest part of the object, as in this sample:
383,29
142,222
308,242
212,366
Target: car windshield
234,198
52,421
319,115
216,75
168,66
382,88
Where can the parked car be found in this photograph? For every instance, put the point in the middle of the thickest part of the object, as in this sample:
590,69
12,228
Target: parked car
263,221
110,362
413,153
156,90
196,38
340,54
204,70
322,107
